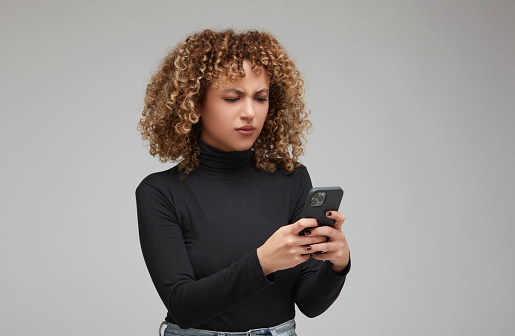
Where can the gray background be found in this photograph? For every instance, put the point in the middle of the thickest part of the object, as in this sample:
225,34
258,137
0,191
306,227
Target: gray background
413,110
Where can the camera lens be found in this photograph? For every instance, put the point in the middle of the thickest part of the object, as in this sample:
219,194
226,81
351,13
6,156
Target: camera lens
313,202
321,198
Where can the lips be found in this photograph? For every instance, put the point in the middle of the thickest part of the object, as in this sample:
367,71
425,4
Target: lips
246,128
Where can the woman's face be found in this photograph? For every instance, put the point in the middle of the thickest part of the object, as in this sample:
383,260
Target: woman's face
233,115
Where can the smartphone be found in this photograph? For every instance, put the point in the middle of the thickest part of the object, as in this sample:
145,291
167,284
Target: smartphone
319,201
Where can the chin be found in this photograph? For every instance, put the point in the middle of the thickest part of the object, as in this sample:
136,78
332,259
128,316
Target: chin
242,147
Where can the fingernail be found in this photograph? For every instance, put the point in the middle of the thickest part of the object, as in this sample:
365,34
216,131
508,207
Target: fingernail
308,248
308,232
329,213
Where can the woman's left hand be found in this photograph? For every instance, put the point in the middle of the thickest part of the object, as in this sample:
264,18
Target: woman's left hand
335,249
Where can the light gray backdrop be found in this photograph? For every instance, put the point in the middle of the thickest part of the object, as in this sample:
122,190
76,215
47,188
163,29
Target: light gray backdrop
413,110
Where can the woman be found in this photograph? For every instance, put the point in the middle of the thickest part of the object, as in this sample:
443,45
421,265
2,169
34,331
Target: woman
220,231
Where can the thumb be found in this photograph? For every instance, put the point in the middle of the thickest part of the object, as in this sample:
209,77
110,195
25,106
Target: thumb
339,218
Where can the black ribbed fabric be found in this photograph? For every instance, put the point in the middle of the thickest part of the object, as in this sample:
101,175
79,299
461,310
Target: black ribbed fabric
199,238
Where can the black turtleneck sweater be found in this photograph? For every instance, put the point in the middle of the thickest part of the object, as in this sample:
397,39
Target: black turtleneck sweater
199,237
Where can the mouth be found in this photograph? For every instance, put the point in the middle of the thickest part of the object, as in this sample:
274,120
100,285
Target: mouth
246,128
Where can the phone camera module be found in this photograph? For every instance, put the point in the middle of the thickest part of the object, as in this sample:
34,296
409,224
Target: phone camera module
318,199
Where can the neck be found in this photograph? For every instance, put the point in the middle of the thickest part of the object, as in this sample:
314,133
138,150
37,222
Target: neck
214,161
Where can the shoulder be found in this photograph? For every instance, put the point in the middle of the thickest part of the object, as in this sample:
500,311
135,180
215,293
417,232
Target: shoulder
161,176
156,191
303,170
160,180
298,179
303,177
300,172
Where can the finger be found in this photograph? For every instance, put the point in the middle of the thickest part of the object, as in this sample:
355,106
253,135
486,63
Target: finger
323,256
320,247
311,231
309,249
312,240
327,231
302,224
338,217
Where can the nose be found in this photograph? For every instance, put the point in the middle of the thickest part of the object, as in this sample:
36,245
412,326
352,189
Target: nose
247,110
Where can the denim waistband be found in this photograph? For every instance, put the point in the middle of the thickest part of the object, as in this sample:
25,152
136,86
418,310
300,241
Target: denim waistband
281,328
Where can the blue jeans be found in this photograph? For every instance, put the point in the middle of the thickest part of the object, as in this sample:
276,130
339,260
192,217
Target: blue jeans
284,329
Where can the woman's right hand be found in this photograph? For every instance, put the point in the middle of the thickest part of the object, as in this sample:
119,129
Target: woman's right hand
286,248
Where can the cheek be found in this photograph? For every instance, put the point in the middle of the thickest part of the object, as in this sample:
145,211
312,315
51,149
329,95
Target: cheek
214,116
262,110
263,115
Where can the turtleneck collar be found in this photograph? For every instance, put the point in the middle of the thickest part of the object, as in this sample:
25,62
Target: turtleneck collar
219,163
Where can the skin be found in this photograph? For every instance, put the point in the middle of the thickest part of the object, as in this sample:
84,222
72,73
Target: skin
244,103
286,249
336,249
234,105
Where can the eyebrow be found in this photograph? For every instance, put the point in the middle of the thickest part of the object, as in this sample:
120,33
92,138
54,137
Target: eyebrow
239,91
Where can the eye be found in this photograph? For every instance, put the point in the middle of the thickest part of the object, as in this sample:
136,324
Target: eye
261,99
231,100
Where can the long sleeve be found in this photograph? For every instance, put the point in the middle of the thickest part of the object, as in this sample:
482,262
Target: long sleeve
318,286
190,301
199,237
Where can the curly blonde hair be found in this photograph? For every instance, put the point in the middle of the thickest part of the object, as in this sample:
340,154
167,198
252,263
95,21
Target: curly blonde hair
176,92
